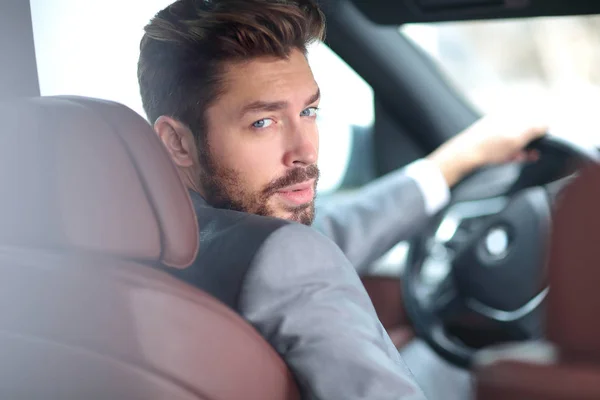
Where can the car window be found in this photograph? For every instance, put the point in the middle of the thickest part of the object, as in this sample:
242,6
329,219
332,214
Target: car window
91,49
346,103
549,63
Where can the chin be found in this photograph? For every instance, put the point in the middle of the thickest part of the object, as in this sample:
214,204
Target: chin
304,215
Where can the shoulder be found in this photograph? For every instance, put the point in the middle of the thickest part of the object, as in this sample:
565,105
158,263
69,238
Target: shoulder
247,253
262,236
297,259
234,230
229,242
296,243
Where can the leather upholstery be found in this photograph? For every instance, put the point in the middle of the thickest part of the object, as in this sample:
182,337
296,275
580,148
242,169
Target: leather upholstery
81,327
90,175
574,273
92,203
569,366
534,371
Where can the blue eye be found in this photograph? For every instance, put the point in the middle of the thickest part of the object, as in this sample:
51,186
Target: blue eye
309,112
262,123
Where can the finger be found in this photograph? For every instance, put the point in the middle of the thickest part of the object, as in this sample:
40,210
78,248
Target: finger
519,157
536,132
533,155
526,156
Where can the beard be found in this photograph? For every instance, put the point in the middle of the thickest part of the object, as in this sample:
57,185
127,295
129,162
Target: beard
224,188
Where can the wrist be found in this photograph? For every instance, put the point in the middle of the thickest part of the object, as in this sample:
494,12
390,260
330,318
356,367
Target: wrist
454,166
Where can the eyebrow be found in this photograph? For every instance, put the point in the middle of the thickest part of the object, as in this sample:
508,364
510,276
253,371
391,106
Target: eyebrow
275,105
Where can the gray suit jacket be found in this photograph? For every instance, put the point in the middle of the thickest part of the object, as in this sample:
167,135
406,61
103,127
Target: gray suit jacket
300,291
366,226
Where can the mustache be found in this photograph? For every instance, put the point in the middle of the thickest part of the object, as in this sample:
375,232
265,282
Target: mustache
293,177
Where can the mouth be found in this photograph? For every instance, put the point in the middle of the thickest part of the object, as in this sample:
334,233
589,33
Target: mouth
298,194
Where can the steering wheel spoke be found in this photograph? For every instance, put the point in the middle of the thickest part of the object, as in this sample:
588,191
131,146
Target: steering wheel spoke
445,301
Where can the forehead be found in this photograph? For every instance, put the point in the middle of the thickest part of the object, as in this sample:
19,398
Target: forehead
269,79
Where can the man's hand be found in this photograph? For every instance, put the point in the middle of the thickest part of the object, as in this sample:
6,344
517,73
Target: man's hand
491,140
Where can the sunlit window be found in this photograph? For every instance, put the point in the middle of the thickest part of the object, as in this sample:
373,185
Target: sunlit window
548,63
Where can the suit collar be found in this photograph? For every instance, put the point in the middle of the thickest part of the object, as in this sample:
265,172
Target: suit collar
197,200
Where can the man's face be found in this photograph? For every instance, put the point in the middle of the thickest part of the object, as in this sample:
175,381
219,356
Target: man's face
262,140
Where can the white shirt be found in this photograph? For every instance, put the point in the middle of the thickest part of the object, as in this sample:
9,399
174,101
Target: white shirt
432,183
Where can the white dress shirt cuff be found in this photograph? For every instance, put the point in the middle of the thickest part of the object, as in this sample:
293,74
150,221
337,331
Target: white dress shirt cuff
429,178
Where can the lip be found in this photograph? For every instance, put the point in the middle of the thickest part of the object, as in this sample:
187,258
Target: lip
298,194
299,186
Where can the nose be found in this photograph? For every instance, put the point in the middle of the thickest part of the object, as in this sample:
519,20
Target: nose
302,149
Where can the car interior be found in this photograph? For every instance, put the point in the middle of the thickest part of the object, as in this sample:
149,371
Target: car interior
92,205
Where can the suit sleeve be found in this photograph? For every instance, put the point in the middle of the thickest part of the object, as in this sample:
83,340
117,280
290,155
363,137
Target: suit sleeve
384,212
305,298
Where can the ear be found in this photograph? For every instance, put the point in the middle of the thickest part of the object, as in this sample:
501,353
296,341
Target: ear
178,140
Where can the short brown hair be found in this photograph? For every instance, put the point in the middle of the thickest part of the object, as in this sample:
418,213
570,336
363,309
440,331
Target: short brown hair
186,45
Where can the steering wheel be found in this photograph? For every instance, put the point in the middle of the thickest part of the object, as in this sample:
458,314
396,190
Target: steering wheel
477,271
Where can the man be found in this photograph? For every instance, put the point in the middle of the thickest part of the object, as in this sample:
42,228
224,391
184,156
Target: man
228,88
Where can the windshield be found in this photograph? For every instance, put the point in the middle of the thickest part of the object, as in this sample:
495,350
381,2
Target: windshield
546,63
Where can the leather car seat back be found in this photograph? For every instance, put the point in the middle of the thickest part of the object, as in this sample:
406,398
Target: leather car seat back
567,367
87,175
90,204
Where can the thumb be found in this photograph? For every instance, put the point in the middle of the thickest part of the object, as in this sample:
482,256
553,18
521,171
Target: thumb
538,130
535,132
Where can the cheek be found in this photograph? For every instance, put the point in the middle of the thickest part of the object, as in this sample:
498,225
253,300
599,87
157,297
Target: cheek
316,138
254,163
260,165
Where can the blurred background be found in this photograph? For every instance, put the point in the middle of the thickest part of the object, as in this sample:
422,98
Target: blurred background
551,64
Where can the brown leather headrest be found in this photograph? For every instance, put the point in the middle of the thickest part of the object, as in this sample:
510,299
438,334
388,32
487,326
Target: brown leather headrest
574,269
89,175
